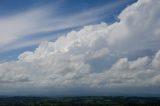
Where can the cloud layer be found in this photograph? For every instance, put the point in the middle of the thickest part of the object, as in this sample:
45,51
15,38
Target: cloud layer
110,58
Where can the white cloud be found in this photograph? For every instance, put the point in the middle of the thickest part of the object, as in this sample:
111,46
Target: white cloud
67,63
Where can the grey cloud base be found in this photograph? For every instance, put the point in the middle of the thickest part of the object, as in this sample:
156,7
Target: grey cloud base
94,60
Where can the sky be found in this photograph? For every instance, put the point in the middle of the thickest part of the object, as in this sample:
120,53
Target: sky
80,47
25,24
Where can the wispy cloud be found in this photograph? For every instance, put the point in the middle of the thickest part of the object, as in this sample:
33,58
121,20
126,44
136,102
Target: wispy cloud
43,20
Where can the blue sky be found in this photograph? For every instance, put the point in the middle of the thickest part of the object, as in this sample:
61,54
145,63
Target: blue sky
62,9
80,47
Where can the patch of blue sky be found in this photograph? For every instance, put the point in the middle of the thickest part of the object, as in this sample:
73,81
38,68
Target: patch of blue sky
13,54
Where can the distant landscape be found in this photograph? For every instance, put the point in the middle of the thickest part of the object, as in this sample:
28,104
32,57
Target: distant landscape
80,101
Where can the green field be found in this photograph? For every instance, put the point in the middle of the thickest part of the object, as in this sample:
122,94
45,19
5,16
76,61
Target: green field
79,101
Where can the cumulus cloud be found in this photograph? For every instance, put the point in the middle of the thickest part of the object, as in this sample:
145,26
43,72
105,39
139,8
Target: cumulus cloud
79,60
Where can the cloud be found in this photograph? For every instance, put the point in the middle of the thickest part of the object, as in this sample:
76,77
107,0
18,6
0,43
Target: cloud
74,62
16,28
